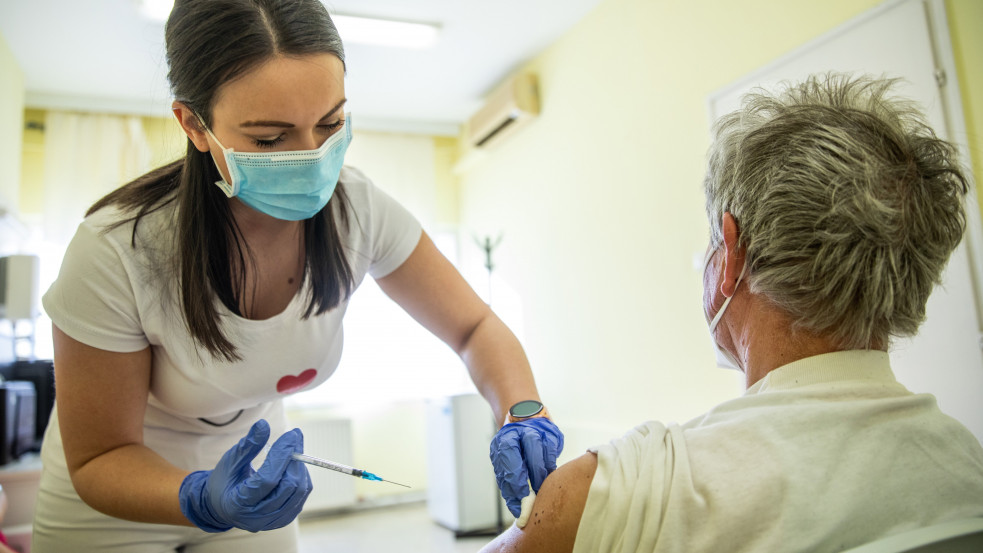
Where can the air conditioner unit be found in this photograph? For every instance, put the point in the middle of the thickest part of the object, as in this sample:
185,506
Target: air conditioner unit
509,107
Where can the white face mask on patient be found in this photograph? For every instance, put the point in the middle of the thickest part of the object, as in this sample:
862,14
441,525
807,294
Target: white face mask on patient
725,360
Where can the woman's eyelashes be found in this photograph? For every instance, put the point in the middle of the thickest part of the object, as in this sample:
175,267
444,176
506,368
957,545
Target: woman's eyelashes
333,126
268,143
274,142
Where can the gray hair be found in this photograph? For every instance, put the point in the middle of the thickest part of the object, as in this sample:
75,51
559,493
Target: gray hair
846,201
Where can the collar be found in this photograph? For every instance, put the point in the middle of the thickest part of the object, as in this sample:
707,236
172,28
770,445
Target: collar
872,366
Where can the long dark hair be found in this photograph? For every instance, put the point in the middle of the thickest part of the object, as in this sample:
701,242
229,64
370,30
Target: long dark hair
210,42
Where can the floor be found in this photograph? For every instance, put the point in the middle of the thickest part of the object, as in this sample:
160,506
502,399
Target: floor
397,528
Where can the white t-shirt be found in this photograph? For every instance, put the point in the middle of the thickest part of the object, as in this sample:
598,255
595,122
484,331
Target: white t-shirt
823,454
115,297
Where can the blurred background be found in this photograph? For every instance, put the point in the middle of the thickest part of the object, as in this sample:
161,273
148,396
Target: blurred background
554,149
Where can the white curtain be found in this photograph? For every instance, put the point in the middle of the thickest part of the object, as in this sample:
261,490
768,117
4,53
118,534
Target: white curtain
13,233
85,157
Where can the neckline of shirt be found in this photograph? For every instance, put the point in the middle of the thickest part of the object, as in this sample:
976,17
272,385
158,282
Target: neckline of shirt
856,365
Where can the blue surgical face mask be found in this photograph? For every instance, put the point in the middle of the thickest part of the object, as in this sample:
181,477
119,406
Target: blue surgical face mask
725,360
287,185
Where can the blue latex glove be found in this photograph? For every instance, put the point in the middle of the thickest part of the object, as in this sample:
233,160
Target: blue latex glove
235,495
522,452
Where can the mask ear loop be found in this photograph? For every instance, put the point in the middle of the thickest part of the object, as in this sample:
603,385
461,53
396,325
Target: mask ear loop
229,190
720,313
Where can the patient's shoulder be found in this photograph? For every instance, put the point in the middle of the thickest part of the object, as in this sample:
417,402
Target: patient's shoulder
552,526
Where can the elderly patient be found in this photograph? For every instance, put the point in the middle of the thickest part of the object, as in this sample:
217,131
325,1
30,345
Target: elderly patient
833,209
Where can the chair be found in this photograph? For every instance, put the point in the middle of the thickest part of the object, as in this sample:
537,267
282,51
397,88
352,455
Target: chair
954,536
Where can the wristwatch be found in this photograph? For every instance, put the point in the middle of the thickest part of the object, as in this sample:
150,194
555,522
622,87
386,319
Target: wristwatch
524,410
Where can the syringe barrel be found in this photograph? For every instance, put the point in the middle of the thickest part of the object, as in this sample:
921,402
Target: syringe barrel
323,463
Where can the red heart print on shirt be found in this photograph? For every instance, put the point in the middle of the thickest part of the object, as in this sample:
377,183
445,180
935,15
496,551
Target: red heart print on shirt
290,383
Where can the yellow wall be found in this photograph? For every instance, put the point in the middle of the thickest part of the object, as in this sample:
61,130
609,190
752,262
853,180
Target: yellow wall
600,200
11,123
32,162
166,139
445,157
965,19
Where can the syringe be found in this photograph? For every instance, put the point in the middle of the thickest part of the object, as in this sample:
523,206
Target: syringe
324,463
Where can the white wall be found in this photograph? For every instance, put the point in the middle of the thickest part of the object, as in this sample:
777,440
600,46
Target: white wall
400,164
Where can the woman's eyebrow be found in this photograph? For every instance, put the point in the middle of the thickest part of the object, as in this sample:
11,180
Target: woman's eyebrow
286,125
335,109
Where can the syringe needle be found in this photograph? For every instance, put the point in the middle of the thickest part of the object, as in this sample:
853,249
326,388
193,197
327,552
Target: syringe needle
369,476
397,483
324,463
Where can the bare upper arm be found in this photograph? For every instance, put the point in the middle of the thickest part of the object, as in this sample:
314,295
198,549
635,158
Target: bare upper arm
555,518
101,398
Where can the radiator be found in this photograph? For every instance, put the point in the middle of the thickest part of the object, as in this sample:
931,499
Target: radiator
328,438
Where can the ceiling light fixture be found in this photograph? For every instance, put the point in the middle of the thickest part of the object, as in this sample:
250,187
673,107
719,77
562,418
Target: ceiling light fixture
157,10
385,32
352,28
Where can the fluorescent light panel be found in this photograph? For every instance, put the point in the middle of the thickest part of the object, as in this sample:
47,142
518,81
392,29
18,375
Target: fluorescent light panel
385,32
353,29
156,9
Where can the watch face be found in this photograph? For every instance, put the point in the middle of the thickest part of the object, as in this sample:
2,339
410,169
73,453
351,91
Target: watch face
526,408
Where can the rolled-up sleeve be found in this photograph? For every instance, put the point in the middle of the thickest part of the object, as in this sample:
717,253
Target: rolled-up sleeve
625,504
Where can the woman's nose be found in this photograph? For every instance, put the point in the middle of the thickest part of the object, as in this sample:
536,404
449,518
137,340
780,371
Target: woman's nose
310,141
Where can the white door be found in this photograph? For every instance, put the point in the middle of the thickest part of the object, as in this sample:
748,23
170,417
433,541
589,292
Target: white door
896,40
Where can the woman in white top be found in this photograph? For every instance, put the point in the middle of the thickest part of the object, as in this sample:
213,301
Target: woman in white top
196,297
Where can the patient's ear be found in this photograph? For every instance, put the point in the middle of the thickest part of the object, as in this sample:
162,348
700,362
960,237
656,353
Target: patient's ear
733,255
191,125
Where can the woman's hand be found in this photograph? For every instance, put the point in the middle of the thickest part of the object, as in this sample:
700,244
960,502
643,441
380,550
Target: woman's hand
234,495
524,453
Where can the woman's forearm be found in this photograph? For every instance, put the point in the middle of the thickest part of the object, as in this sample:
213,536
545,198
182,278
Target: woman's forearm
498,366
132,482
431,290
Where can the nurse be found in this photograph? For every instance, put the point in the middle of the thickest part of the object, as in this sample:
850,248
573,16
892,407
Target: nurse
193,299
